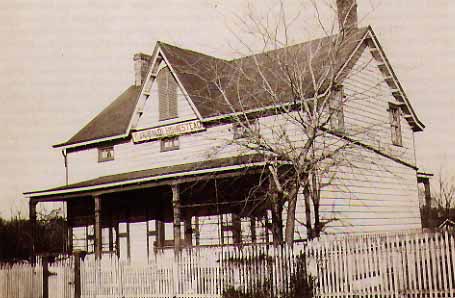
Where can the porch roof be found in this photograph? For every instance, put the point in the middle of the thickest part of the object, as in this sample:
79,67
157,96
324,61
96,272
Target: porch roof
152,177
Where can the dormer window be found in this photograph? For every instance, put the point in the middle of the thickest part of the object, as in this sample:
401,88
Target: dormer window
395,125
336,112
105,154
167,94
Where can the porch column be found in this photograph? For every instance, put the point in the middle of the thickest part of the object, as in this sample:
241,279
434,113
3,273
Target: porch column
98,237
236,228
69,234
426,185
428,220
424,179
188,231
160,233
253,229
177,217
32,215
196,230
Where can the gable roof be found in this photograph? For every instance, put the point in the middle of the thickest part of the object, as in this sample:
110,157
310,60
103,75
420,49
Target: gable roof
203,76
112,121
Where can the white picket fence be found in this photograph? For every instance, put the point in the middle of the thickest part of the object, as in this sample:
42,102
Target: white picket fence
25,280
21,280
405,265
196,272
381,265
61,278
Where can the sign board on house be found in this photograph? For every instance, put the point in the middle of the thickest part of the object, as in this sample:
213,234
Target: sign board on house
167,131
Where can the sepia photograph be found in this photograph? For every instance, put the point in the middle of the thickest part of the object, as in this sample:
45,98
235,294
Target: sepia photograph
227,149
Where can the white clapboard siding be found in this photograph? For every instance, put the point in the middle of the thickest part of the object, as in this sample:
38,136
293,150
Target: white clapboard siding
195,147
372,193
366,109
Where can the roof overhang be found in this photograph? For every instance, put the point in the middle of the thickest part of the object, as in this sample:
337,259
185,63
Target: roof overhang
423,176
220,168
392,81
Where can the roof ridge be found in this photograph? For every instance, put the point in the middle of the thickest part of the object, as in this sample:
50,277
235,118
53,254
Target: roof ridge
293,45
190,51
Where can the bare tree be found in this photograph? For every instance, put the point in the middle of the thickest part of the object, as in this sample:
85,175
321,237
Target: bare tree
286,105
444,197
295,93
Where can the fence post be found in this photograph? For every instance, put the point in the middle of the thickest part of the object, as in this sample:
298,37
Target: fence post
77,274
45,277
175,272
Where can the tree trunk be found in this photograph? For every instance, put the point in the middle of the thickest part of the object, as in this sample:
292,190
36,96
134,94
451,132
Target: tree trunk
316,198
290,220
277,223
306,197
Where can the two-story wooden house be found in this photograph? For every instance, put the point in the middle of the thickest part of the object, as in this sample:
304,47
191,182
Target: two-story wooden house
156,168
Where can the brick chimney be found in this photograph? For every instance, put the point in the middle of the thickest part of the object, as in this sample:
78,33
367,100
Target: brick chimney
141,67
347,14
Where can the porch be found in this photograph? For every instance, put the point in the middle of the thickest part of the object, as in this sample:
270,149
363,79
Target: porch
213,203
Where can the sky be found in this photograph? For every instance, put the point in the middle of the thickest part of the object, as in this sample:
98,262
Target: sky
62,62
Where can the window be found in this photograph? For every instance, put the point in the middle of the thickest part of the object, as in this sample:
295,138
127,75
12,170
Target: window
170,144
242,130
395,124
167,93
336,112
105,154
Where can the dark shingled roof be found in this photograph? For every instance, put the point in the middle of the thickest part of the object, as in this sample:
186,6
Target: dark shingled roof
242,80
112,121
156,172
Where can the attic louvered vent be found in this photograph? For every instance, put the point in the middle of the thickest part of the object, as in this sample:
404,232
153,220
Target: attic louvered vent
167,92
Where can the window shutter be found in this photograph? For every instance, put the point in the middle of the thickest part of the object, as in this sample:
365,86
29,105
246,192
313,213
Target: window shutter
167,92
162,94
172,96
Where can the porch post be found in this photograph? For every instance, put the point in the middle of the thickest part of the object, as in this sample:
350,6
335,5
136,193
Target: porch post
159,233
196,230
32,215
253,229
98,239
188,231
70,238
177,217
236,228
426,185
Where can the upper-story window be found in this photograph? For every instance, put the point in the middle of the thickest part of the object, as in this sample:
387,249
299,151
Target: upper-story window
169,144
105,153
167,94
245,128
395,125
336,112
